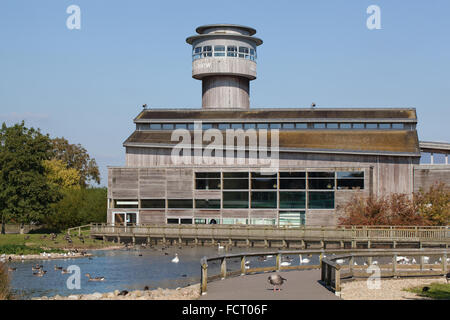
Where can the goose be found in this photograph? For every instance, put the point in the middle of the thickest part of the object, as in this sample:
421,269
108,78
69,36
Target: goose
40,273
94,279
176,259
276,280
65,271
10,269
58,268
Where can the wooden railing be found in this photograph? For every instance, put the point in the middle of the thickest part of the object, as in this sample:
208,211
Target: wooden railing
366,233
331,271
86,226
333,268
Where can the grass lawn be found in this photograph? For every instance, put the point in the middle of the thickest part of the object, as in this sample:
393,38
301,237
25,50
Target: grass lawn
37,243
436,291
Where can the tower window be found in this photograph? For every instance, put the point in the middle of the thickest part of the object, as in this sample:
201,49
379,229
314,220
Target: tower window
219,51
231,51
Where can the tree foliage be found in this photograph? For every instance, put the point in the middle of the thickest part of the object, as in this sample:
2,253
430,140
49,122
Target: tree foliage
76,157
25,194
79,207
434,204
430,207
60,176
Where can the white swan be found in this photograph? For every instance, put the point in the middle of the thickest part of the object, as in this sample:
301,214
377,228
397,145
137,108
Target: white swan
306,260
426,259
285,264
340,261
176,259
219,247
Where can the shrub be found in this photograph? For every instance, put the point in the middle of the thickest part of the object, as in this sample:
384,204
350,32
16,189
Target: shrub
434,204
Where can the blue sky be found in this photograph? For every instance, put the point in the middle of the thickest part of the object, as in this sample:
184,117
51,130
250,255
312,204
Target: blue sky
87,85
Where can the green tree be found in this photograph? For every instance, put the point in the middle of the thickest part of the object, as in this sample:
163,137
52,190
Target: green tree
79,207
76,157
25,194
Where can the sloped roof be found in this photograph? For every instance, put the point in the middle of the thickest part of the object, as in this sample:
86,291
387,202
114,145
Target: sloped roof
343,141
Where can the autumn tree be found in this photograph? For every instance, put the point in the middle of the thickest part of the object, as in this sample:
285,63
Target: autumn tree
434,204
60,176
25,194
74,156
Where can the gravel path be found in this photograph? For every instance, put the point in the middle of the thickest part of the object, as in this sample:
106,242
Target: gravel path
391,289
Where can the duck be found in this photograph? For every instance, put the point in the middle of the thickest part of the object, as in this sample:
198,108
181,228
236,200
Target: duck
176,259
65,271
11,269
58,268
40,273
94,279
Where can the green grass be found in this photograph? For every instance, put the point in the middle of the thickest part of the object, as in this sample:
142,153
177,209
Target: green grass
437,291
37,243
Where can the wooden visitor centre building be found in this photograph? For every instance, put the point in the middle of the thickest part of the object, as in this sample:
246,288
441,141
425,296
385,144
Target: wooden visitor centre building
323,156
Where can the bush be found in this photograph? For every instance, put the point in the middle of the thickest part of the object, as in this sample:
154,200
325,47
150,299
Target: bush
20,249
434,204
5,293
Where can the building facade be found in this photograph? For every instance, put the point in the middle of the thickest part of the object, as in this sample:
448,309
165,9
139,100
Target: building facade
285,167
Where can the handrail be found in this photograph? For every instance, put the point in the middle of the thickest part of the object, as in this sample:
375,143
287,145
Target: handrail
79,228
393,233
330,269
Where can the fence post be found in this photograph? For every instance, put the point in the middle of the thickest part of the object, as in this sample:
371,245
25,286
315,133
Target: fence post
394,264
242,265
444,263
204,275
350,264
337,282
223,268
322,270
278,261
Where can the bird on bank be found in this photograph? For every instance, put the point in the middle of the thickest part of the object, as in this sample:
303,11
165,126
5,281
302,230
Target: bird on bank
94,279
447,277
176,259
276,280
11,269
123,293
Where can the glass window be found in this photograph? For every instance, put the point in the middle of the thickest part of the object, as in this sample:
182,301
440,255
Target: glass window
371,125
350,180
198,50
292,183
292,174
167,126
319,125
155,126
243,52
320,174
224,126
345,125
207,126
219,51
153,203
384,125
292,218
238,184
179,203
180,126
173,221
320,200
200,221
219,48
264,183
207,203
358,126
235,200
249,126
257,221
263,126
264,199
231,51
301,126
236,126
397,126
125,203
186,221
332,125
275,126
207,180
321,184
295,200
288,126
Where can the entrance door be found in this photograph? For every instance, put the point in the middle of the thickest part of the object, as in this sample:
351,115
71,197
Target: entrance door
131,219
119,219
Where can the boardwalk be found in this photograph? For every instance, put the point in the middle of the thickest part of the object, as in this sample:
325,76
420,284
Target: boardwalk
300,285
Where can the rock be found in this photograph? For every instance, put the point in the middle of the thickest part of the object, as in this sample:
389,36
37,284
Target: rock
116,292
137,293
57,297
73,297
97,295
